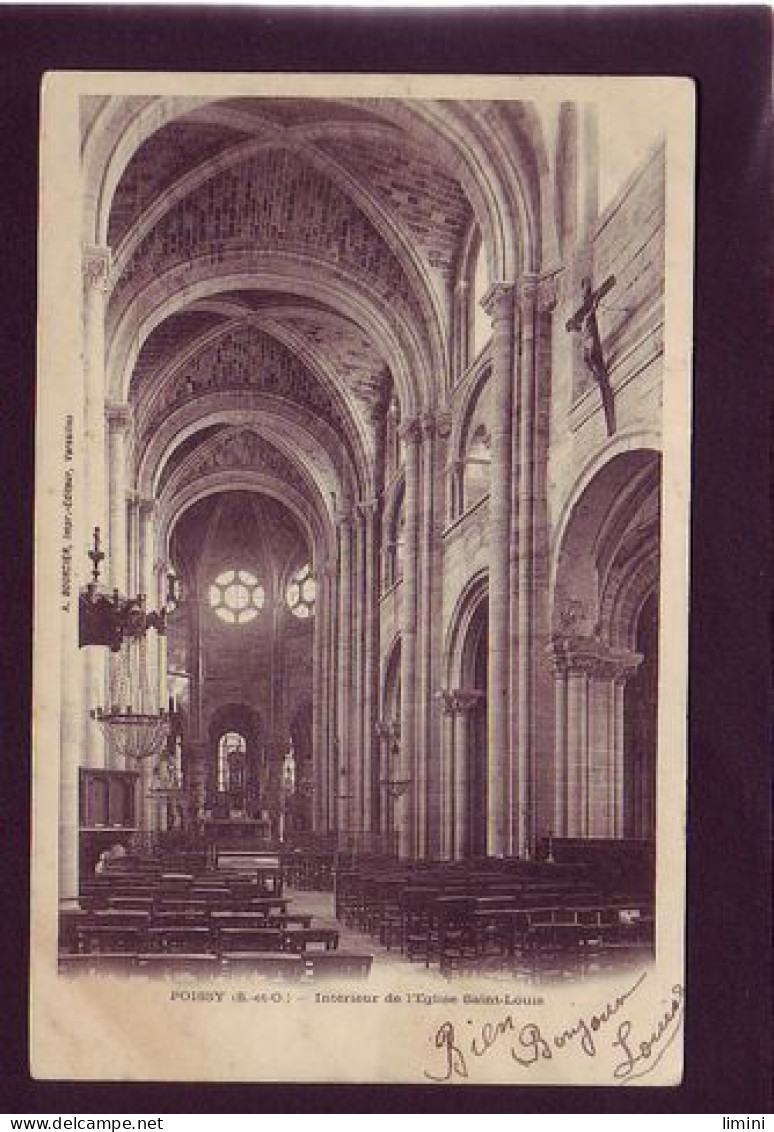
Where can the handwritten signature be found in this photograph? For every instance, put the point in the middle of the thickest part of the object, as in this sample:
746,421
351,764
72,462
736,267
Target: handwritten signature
527,1044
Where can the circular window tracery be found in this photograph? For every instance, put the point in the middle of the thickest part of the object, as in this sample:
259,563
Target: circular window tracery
301,592
236,596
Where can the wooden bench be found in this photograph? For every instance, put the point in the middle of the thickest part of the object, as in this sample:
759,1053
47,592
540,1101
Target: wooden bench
250,940
173,964
274,966
131,903
304,939
183,938
337,965
121,963
110,938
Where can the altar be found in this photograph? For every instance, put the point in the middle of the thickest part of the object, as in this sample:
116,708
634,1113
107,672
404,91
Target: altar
236,833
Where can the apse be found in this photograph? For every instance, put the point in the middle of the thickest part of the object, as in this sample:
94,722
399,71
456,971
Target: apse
242,643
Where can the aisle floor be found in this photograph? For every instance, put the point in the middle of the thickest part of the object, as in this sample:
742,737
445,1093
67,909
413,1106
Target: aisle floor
321,906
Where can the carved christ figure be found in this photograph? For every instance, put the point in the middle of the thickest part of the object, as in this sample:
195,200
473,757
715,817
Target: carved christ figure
584,321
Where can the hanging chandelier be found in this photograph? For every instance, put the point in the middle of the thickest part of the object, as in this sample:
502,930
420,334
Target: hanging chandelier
131,727
389,732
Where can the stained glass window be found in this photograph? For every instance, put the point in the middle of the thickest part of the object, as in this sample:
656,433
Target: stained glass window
237,596
301,592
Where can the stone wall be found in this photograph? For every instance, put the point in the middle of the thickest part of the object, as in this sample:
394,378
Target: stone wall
629,244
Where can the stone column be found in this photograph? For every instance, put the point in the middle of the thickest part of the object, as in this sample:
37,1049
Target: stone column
157,599
461,800
446,699
406,806
559,827
332,697
425,807
318,700
461,328
499,304
455,500
370,519
195,773
590,677
387,743
523,768
344,781
96,267
542,697
577,751
588,172
464,703
330,700
117,417
357,603
145,583
617,752
133,555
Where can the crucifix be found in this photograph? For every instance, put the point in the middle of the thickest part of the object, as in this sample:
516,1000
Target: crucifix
584,321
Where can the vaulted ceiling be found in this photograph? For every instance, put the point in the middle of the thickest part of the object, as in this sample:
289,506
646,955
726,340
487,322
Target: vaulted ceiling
289,262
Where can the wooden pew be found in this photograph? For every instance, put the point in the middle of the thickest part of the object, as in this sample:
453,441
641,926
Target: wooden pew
271,966
337,965
304,939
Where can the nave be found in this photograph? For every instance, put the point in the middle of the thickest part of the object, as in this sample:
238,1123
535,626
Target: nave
364,539
307,916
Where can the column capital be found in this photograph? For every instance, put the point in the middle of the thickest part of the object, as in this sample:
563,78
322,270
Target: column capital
95,266
367,508
589,656
466,700
436,423
117,416
410,431
498,300
446,700
146,506
459,701
548,291
528,289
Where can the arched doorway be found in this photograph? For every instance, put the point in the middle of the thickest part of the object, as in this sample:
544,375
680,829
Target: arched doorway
299,801
465,787
605,652
477,734
236,763
387,767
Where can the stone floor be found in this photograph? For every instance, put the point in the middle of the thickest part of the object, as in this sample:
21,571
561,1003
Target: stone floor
321,906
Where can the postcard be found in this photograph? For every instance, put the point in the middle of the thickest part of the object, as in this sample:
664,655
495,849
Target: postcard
361,587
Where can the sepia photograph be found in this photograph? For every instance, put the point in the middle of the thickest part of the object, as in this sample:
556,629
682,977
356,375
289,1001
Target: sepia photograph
361,591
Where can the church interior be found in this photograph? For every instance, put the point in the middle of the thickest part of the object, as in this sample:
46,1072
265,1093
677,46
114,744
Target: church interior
363,668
